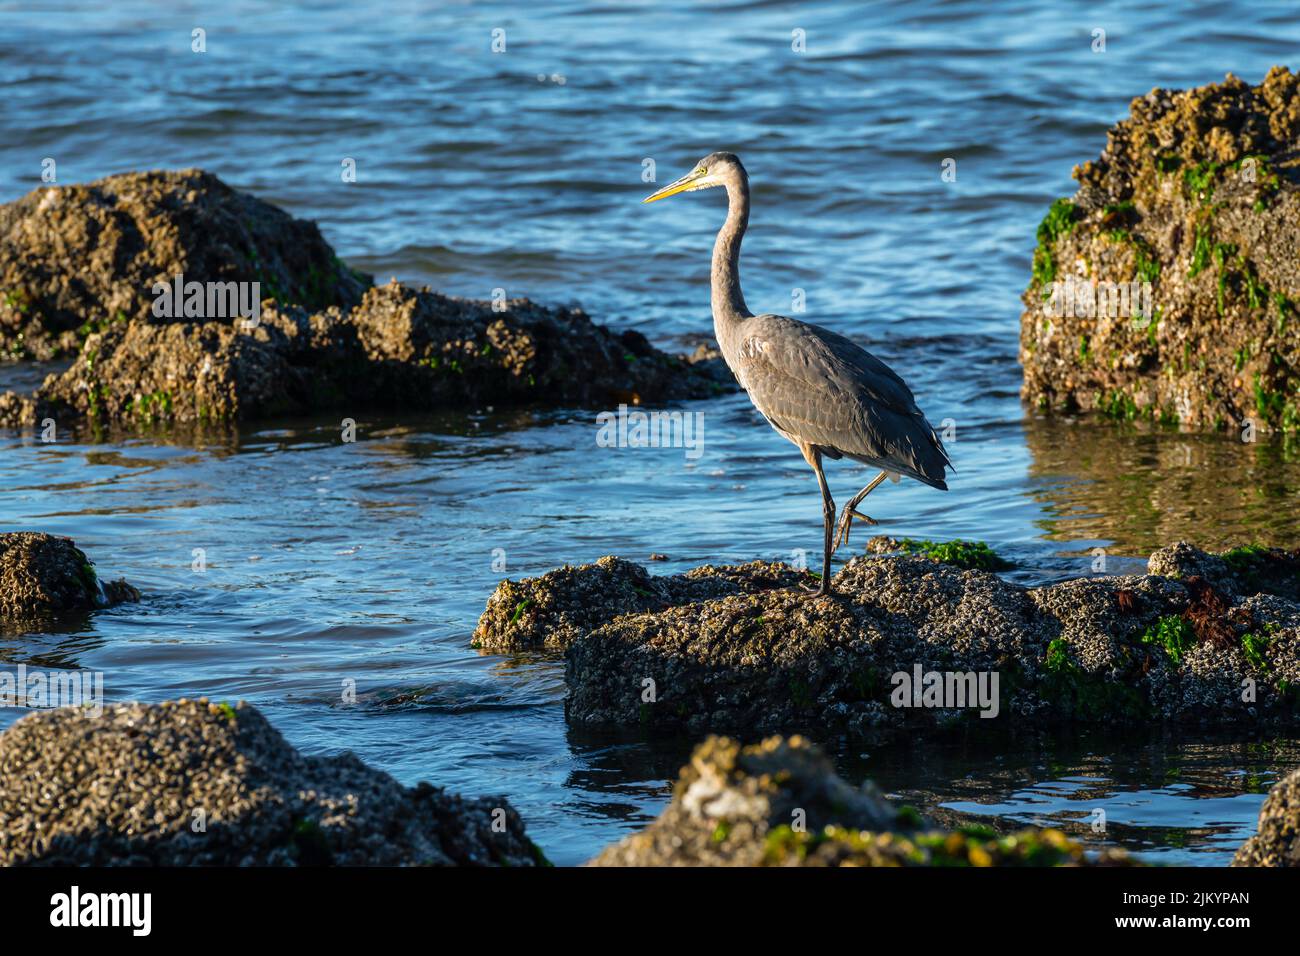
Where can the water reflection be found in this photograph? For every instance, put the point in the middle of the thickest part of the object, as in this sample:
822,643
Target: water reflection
1140,487
1172,799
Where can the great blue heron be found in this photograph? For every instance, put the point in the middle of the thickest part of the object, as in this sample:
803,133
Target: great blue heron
816,388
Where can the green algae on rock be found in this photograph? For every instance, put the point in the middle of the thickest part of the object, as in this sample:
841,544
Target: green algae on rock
960,554
81,258
42,576
781,803
196,783
1193,641
1197,193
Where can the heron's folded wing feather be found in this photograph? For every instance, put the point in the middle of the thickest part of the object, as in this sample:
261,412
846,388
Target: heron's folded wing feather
822,388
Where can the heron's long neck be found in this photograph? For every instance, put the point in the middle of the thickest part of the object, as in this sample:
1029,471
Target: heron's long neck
728,303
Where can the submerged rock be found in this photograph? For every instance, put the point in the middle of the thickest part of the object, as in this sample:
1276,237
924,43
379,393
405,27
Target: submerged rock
193,783
915,642
1198,194
75,259
42,576
780,803
1277,839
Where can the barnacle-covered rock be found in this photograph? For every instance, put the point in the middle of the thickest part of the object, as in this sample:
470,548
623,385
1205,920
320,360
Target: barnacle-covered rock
188,783
43,576
1204,640
1195,198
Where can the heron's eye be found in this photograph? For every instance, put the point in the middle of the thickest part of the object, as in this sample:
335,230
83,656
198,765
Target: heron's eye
701,171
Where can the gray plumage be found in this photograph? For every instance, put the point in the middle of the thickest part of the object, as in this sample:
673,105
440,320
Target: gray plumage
828,396
816,386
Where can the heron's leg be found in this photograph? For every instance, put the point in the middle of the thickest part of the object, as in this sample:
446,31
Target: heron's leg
828,518
850,510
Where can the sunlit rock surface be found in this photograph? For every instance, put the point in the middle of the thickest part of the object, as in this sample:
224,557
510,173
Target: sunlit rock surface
1277,841
1197,194
195,783
78,266
1201,640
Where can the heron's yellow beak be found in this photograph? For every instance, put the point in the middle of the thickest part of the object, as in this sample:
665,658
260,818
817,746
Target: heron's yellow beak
672,189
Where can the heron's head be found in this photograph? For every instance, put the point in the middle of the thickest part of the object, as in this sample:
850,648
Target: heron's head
715,169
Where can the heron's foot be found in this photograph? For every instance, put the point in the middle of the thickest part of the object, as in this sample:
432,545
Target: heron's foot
846,522
826,592
806,593
821,589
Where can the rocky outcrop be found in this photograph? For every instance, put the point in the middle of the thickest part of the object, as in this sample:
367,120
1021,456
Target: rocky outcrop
1277,840
80,258
431,350
398,349
1196,194
780,803
552,611
1204,640
137,374
195,783
42,576
323,338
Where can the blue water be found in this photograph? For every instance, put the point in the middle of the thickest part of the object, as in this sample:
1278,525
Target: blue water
522,170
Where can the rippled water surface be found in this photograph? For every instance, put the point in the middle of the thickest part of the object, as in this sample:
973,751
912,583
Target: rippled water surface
522,170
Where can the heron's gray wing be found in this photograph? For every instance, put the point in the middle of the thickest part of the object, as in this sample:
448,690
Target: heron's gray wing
817,386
